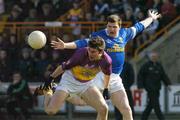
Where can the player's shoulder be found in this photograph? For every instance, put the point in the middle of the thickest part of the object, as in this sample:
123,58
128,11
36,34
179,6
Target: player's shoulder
124,29
107,58
84,49
99,33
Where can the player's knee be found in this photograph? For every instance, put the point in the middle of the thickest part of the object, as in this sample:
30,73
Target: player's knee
50,111
103,109
126,110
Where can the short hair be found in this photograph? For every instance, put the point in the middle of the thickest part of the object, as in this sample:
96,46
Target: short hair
97,43
114,19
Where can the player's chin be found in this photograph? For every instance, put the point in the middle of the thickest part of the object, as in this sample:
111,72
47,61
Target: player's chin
112,34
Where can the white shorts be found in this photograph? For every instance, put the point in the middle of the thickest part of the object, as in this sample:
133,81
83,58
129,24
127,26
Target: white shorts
115,83
70,85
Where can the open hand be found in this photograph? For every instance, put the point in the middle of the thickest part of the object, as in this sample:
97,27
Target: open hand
57,44
154,14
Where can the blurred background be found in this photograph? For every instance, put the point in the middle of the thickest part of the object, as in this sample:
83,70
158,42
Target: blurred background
76,19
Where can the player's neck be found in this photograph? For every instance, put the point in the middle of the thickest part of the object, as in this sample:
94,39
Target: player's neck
111,35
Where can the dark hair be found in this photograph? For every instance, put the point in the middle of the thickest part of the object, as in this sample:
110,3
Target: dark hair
114,19
96,43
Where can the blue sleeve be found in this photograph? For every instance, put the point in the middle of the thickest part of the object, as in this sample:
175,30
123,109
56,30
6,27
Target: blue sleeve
81,43
133,31
94,34
139,27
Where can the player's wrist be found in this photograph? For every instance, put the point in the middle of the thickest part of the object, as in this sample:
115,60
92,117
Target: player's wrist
65,46
152,18
106,94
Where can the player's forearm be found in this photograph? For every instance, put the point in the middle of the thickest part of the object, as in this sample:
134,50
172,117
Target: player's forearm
147,22
70,45
58,71
106,81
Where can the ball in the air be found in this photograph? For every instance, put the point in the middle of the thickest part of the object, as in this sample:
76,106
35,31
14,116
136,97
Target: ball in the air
37,39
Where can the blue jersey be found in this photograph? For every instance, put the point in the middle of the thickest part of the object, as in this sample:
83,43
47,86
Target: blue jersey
115,47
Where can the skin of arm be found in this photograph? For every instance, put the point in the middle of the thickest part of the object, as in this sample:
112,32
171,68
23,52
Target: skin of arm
147,22
70,45
58,71
60,44
106,81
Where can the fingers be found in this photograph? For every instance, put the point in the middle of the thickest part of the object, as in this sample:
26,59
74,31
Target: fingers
159,16
54,45
154,14
57,43
54,42
59,39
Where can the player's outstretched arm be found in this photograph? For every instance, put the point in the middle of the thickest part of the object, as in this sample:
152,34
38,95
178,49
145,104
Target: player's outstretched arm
60,44
58,71
153,15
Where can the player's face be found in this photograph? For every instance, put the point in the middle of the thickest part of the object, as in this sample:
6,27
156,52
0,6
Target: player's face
154,57
94,54
16,78
113,29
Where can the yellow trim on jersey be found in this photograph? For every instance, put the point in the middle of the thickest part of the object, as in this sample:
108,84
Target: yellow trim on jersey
86,74
118,49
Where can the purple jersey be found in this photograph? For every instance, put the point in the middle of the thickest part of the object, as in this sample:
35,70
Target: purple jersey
83,69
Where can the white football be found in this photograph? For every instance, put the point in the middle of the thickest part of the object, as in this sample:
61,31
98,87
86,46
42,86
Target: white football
37,39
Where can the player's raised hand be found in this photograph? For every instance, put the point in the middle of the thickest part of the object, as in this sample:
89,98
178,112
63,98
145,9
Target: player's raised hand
154,14
57,44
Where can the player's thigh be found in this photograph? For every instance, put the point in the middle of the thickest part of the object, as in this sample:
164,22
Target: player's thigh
119,99
58,99
76,100
94,98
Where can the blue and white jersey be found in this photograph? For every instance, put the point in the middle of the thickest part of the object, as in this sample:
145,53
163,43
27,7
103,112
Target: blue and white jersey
115,47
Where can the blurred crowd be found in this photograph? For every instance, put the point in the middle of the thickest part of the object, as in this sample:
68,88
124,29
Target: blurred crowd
51,10
35,65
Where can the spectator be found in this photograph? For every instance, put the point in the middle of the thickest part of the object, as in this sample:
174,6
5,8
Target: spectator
150,76
15,14
48,13
19,97
168,11
116,7
89,17
157,4
127,76
3,41
3,98
101,8
13,49
25,64
76,13
129,15
2,7
62,6
25,5
150,30
41,65
32,16
177,5
140,38
5,66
